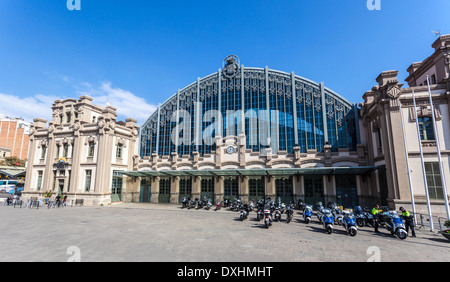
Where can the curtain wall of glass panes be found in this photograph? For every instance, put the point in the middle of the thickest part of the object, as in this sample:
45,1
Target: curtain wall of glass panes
253,92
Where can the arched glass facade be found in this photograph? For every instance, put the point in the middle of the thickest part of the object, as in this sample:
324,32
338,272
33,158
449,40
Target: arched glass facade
285,109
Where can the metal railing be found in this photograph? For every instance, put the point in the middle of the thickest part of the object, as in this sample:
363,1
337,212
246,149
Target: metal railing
423,221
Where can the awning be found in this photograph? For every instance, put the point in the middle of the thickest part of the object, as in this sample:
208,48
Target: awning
356,170
13,172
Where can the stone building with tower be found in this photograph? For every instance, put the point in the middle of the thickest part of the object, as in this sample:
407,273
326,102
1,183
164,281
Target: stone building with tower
80,152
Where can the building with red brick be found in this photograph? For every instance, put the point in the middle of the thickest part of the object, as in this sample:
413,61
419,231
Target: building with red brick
14,135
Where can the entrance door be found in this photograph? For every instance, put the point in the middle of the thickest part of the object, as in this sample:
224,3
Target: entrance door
284,190
256,189
116,189
145,190
185,189
346,192
164,191
314,189
207,189
60,186
231,188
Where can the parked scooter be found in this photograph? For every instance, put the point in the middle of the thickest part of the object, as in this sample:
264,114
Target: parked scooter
349,222
289,212
208,204
307,214
218,205
277,214
327,220
251,206
394,224
267,218
184,202
244,212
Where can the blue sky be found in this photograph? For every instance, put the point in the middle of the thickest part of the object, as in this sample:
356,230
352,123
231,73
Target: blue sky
143,51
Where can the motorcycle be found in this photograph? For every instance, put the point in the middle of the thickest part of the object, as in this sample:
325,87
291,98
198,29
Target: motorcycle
226,203
208,204
184,202
394,224
327,220
192,204
349,223
289,212
267,218
307,214
244,213
218,205
251,206
301,204
359,216
277,214
338,217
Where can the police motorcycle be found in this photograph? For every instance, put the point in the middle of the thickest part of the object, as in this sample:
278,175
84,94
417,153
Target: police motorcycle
289,212
320,209
327,220
336,211
307,214
349,222
359,216
394,224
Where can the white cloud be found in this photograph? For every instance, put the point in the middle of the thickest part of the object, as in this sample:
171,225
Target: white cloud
27,108
126,103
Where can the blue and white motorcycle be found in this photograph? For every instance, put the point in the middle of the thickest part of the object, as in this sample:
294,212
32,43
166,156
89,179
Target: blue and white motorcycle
327,220
349,222
307,214
394,224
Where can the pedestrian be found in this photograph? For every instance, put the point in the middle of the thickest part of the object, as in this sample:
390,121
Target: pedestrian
409,222
376,216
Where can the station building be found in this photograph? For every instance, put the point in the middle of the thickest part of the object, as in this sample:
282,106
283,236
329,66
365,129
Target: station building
255,133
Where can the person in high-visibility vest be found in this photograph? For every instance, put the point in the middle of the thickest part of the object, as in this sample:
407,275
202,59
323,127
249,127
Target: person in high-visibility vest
375,212
408,221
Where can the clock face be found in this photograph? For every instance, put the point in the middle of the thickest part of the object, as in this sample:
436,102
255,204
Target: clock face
230,150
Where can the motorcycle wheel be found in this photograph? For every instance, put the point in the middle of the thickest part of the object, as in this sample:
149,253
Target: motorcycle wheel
401,234
360,222
307,220
352,232
329,229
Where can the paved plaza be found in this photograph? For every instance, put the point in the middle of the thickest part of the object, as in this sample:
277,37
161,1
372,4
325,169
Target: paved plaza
167,233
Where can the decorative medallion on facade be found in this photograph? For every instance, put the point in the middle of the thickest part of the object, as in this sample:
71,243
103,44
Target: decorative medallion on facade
230,66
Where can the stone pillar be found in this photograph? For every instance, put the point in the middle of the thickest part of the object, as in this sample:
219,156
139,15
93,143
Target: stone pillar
299,189
270,187
219,188
174,190
243,189
155,190
196,187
